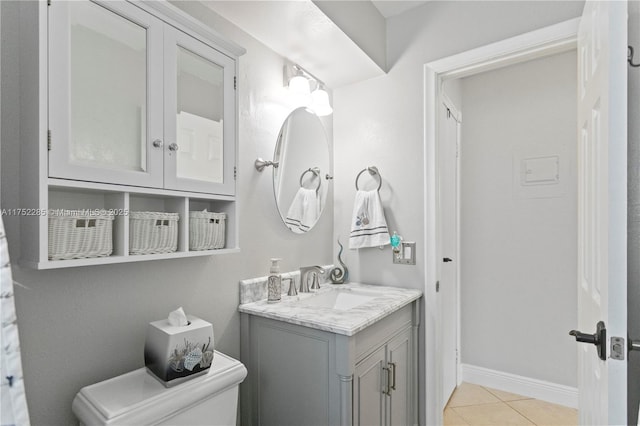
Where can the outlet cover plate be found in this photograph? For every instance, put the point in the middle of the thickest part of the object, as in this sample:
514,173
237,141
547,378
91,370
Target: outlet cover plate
407,255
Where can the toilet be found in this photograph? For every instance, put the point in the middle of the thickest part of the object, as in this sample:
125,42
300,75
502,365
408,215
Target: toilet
138,398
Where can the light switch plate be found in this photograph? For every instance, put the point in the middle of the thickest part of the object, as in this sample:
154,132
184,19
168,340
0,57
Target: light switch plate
407,255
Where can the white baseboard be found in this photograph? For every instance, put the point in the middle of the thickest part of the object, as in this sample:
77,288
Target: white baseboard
525,386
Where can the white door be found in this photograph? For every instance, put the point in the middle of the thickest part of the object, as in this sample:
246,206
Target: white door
448,291
602,209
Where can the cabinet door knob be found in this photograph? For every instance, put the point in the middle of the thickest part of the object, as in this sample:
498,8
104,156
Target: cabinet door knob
157,143
173,147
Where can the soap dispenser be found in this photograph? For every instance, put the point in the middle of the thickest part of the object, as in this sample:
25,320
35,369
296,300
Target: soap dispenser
274,283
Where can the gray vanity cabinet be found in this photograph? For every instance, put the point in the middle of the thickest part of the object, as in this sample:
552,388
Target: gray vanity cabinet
300,375
382,384
400,358
369,399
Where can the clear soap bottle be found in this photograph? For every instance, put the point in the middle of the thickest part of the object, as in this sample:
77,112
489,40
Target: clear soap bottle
274,283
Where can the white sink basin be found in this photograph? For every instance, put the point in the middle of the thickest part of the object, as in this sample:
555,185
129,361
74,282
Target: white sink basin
339,299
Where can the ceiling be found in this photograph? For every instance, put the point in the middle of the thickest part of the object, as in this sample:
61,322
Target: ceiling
301,32
390,8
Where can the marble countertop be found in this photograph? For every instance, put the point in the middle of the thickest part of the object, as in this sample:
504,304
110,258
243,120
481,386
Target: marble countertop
348,322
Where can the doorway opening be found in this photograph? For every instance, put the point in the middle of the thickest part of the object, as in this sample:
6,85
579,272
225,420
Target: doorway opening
508,179
549,41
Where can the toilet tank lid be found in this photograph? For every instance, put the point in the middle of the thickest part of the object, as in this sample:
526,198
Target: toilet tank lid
138,397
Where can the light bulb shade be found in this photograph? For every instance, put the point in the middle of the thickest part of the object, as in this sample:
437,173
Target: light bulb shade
320,103
299,85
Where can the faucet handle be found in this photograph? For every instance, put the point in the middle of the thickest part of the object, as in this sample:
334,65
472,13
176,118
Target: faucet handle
293,291
304,278
315,284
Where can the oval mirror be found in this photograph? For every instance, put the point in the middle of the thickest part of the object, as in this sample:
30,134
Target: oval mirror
300,182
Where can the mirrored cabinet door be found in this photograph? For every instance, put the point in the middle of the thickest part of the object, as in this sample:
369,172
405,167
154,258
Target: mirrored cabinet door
105,93
199,116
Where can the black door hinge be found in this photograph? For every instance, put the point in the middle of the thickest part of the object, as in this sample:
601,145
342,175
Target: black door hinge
48,140
235,83
235,172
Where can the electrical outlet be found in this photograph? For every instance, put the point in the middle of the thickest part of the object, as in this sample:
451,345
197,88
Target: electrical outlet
407,254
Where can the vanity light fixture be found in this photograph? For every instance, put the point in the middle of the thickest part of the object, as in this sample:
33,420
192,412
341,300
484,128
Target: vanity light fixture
320,101
299,81
299,85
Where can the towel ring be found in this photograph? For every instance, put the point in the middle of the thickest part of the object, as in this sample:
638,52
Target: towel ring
316,172
373,170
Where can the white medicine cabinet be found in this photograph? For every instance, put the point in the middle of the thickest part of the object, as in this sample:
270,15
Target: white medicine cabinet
135,101
128,106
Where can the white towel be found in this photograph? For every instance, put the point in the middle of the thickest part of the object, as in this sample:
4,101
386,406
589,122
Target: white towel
368,226
304,211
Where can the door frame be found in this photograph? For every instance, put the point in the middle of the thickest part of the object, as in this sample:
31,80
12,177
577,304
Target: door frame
556,38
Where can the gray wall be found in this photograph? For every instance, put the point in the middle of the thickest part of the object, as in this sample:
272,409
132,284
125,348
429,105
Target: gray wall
519,243
380,121
362,22
82,325
633,256
453,90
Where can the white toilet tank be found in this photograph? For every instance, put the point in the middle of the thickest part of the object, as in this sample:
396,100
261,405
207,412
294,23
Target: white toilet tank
138,398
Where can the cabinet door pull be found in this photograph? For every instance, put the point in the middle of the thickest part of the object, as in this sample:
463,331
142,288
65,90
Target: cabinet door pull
173,147
157,143
393,364
385,388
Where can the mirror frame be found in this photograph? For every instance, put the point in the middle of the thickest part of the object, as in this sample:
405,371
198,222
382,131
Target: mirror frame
306,176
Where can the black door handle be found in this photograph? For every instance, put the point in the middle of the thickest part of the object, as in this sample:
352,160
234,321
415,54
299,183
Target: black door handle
594,339
599,339
447,259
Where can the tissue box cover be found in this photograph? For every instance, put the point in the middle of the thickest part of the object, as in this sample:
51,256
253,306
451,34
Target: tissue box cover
176,353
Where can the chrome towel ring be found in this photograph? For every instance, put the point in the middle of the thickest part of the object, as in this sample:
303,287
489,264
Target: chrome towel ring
316,172
373,171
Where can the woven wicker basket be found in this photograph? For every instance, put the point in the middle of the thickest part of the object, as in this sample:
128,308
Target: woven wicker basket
80,234
206,230
153,232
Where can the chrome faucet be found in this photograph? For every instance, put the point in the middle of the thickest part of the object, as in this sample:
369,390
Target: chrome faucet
304,278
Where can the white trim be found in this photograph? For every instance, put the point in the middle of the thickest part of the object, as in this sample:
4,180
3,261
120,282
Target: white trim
110,260
546,41
525,386
108,187
192,26
553,39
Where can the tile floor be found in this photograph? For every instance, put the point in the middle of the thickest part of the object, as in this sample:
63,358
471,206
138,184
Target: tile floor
477,405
